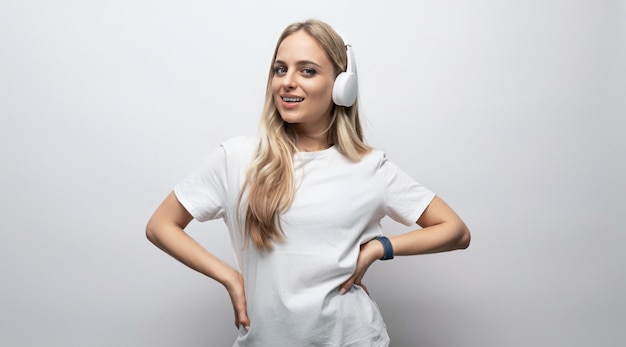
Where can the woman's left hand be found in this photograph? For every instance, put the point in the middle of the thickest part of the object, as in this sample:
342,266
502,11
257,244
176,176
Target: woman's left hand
368,254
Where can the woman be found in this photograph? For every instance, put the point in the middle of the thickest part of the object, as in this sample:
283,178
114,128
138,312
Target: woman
303,201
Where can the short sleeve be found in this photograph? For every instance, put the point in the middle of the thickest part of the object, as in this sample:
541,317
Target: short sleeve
203,193
405,199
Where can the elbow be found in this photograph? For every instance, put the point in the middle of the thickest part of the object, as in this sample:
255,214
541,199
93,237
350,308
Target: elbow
151,232
464,237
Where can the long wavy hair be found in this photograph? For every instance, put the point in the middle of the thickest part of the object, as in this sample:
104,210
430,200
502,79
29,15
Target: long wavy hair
270,181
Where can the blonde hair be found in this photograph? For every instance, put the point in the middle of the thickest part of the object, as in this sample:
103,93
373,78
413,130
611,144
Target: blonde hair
270,179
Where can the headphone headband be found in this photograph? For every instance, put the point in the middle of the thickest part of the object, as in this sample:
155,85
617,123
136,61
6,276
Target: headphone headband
350,67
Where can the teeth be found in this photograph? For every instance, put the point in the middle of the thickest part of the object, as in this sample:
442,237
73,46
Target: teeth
292,99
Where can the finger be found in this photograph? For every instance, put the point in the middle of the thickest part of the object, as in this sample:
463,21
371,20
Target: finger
345,286
241,316
244,320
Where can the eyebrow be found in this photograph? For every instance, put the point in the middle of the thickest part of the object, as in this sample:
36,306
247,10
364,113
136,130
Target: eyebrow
299,63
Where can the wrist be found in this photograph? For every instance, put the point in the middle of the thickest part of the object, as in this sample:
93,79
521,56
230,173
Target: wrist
374,250
387,247
232,281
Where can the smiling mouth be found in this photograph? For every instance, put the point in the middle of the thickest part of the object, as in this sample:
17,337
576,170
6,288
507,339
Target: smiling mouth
285,99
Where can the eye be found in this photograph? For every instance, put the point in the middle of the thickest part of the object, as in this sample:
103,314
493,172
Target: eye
309,72
280,70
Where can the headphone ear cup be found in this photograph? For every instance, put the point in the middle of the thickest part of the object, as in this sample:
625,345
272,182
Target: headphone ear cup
345,89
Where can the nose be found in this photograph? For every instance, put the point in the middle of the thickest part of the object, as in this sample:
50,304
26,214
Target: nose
289,81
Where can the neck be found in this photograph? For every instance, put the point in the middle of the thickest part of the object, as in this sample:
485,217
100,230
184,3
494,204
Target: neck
312,143
312,137
312,149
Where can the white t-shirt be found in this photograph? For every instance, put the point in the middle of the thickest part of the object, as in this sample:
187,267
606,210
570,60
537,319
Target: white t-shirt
292,290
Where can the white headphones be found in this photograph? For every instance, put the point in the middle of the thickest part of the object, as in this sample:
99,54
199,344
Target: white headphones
345,87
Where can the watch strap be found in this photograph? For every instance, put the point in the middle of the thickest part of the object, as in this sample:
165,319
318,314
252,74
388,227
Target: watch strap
386,246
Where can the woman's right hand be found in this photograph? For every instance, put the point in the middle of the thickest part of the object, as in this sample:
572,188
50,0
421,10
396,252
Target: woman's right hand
166,230
238,298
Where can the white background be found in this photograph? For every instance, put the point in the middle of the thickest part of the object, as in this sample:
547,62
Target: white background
512,111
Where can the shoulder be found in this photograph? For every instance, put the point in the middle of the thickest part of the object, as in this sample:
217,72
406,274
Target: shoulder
375,157
370,164
240,146
241,142
384,167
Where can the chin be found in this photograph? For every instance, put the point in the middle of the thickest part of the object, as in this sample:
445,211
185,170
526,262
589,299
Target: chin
289,118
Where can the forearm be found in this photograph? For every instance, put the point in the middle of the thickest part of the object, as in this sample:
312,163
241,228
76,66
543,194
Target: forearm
175,242
433,239
172,239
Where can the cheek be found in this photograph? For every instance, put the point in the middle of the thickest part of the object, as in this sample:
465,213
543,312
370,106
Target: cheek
322,91
274,85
